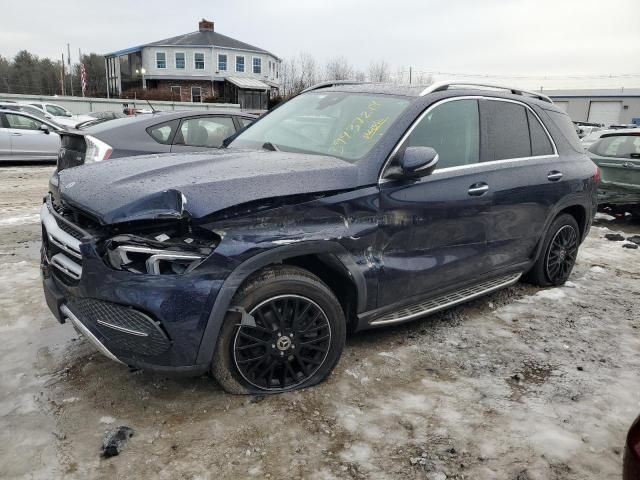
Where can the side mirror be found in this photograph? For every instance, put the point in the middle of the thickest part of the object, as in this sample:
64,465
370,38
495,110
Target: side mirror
45,129
415,162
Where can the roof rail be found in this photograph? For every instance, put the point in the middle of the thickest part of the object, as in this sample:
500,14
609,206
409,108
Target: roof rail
332,83
440,86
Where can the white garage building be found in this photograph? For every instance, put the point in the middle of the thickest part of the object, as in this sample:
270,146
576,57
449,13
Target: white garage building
604,106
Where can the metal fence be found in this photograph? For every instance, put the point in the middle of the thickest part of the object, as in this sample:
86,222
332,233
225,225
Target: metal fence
79,105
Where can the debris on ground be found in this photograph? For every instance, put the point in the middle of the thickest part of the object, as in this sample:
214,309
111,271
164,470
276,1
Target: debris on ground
632,246
614,237
116,440
634,239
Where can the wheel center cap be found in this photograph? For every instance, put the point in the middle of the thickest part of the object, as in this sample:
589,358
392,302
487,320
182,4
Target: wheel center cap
283,343
562,254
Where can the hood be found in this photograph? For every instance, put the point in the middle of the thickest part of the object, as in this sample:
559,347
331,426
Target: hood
197,184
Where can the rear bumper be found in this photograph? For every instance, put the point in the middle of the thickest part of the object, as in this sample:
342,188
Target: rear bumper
618,196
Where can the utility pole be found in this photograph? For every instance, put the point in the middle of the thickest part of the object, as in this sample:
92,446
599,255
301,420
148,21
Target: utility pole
69,64
410,72
62,77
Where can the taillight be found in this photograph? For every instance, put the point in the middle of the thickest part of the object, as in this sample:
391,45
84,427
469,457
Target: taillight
97,150
596,176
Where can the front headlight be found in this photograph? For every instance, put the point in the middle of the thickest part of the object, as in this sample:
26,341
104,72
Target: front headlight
153,261
157,257
97,150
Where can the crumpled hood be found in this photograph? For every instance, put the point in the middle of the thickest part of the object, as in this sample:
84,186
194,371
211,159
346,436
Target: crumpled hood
197,184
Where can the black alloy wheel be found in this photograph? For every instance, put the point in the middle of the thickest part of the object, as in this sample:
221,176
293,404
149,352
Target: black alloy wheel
287,343
285,330
562,254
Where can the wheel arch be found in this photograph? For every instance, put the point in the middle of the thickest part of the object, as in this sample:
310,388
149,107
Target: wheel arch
577,211
328,260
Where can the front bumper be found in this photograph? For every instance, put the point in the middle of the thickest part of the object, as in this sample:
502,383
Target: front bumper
153,322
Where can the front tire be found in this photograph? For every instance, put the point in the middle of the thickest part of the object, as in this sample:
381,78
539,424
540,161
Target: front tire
559,252
289,333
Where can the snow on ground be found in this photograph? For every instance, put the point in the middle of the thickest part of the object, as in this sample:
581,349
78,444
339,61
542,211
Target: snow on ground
526,383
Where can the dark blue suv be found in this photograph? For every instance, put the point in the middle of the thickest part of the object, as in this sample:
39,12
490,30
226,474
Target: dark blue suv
350,206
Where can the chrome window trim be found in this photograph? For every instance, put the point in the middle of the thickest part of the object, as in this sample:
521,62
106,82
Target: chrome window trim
466,97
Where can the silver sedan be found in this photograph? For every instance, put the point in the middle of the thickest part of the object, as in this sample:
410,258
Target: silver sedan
24,137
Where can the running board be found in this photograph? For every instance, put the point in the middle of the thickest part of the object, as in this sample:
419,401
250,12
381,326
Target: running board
447,300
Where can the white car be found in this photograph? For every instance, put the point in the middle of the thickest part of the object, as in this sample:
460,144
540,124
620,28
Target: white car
60,114
24,137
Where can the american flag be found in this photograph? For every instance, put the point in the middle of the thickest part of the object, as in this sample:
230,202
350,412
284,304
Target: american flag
83,78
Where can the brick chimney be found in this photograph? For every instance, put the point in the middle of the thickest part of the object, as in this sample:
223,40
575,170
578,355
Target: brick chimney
205,25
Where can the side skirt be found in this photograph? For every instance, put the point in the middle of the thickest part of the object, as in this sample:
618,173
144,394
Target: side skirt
446,300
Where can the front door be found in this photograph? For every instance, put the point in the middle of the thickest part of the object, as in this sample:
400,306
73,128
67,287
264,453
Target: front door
433,230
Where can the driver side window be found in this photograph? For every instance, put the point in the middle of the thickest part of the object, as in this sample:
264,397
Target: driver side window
21,122
453,130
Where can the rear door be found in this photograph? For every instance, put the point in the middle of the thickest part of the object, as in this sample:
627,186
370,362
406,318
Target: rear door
618,157
524,176
202,133
28,142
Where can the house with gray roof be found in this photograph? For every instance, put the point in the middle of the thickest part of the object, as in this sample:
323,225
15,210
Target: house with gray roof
196,66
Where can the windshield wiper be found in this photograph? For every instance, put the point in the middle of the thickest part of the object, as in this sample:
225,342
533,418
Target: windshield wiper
270,146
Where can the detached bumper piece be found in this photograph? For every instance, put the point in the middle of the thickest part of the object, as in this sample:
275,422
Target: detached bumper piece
122,328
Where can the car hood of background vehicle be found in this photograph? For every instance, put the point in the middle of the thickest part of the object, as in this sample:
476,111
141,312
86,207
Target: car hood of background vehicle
197,184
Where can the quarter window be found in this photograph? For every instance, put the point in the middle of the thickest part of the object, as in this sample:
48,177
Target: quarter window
161,60
222,62
198,60
239,63
180,62
163,132
257,65
452,129
540,143
507,130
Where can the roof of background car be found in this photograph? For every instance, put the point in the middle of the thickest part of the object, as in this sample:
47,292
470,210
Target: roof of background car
148,119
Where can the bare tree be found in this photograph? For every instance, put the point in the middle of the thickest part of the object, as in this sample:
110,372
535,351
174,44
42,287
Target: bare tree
379,72
423,79
338,68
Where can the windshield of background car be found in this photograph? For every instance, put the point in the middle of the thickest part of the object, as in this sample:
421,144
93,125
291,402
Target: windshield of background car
56,111
343,125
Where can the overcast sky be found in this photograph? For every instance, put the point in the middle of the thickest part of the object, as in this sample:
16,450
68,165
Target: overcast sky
502,38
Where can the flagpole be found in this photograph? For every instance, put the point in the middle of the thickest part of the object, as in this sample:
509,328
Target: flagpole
69,64
83,78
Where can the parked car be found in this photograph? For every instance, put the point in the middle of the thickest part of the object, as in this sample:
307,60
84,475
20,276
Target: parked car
631,459
593,137
253,262
618,155
60,114
24,137
161,132
30,109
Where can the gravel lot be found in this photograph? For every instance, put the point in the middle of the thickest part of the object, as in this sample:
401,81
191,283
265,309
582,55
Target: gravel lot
523,384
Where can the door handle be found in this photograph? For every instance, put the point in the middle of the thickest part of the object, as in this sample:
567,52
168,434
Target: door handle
554,176
16,134
478,189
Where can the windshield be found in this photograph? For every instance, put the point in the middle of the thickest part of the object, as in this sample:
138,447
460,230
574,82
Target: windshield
57,111
343,125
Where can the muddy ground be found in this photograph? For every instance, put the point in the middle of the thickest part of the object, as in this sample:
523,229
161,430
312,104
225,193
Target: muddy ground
523,384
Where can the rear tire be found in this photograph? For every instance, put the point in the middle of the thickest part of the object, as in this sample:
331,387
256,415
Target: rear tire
287,332
558,254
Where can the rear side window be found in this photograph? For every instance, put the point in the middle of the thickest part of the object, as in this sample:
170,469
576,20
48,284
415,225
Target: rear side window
507,130
566,126
163,132
453,130
540,143
621,146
